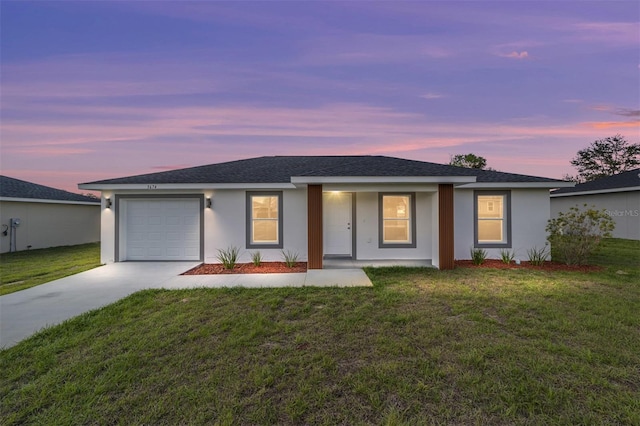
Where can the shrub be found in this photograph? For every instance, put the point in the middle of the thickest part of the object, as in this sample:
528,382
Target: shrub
256,258
478,256
290,258
229,257
537,256
574,235
507,256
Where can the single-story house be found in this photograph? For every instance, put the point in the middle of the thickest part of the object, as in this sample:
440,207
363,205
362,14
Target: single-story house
358,207
35,216
618,195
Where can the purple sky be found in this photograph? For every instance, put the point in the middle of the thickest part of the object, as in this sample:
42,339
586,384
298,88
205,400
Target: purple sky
93,90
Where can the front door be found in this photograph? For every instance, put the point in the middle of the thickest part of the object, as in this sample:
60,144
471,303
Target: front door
337,223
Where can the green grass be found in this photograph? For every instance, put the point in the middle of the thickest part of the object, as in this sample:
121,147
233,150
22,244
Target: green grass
469,346
30,268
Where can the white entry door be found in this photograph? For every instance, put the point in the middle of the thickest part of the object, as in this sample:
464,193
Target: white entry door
161,229
337,223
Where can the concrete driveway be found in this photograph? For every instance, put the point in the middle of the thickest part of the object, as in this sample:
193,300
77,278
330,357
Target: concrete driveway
24,312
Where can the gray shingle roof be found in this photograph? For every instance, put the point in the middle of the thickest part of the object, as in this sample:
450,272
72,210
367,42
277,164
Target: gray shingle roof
280,169
622,180
16,188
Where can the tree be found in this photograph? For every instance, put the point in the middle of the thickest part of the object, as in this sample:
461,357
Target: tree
470,161
606,157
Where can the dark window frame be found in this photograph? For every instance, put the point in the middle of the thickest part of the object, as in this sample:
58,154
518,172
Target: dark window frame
507,218
412,220
249,220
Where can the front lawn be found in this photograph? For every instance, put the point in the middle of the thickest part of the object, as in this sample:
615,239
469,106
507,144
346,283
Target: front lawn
469,346
29,268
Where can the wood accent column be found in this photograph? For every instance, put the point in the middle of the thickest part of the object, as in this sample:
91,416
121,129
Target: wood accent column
445,226
314,227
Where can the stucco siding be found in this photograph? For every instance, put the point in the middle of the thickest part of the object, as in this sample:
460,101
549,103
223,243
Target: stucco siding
49,224
529,216
622,207
107,230
225,226
367,229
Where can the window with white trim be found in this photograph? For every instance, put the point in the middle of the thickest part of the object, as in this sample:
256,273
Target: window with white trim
397,226
492,219
264,219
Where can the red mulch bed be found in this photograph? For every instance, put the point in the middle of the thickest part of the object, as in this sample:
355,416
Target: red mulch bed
547,266
248,268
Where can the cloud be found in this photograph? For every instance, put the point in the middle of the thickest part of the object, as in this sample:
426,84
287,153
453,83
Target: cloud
431,95
600,107
205,134
624,112
371,49
89,127
48,151
612,33
171,166
516,55
627,112
601,125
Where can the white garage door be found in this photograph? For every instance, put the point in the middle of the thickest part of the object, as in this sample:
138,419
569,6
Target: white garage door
161,229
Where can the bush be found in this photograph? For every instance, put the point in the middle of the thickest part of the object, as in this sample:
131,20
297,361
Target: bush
229,257
478,256
574,235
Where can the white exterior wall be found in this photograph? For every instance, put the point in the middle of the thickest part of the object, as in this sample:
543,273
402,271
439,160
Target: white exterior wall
225,225
107,229
50,224
529,216
622,207
367,229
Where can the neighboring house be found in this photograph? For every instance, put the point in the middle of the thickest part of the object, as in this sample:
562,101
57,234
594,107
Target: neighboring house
35,216
359,207
618,195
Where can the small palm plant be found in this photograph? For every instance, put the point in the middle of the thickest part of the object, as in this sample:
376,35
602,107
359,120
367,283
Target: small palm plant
229,257
478,256
290,258
507,256
256,258
537,256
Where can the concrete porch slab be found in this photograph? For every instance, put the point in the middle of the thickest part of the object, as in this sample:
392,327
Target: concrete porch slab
346,263
337,278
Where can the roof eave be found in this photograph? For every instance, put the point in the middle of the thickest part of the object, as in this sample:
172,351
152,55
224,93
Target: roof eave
47,201
597,191
517,185
180,186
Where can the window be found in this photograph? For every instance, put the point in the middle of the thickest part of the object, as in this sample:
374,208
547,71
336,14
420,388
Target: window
492,219
397,213
264,219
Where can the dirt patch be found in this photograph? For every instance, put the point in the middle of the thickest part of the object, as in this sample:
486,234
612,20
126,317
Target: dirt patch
546,266
248,268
